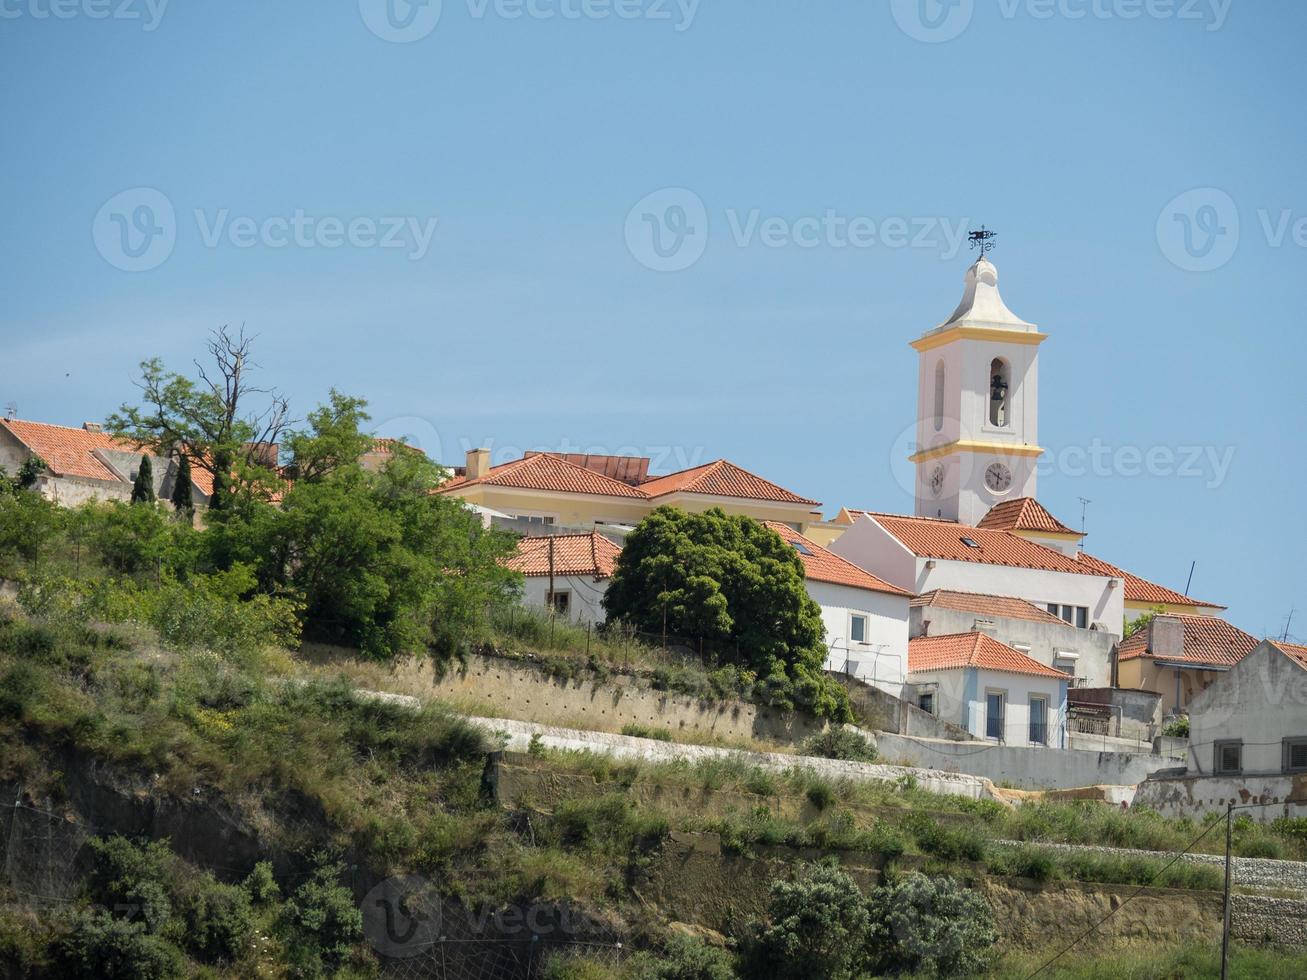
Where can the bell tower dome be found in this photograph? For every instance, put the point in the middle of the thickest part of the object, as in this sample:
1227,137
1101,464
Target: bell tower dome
977,405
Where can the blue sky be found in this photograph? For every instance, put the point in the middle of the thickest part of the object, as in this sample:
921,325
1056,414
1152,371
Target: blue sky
530,316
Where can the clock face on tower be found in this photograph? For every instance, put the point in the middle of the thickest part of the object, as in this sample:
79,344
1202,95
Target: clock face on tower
998,478
937,480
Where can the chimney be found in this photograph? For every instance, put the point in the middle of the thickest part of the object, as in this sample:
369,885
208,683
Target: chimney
92,426
478,463
1166,637
986,626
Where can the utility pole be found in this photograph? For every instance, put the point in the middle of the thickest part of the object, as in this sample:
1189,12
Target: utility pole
1225,928
1287,623
553,605
1191,576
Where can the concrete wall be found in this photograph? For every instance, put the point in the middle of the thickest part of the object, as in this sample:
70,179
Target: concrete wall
587,594
1259,702
882,712
1126,713
500,686
1022,766
1039,641
1197,796
882,660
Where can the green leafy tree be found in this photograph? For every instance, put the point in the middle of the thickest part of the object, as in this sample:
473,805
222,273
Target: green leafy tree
321,922
933,926
182,497
30,526
143,485
33,468
682,958
210,419
740,588
817,926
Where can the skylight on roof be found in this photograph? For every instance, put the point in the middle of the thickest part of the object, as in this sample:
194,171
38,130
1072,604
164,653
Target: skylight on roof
970,543
801,548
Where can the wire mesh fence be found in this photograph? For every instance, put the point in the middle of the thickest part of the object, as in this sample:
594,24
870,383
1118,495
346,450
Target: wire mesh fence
43,853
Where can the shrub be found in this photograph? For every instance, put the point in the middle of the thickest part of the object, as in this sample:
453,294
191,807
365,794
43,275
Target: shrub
838,742
929,925
218,917
946,843
102,947
682,958
132,880
817,926
261,885
1177,728
321,922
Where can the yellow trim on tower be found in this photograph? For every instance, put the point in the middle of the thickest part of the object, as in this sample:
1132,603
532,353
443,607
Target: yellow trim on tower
933,340
971,446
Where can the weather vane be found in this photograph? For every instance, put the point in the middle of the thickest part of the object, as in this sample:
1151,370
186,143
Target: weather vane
983,240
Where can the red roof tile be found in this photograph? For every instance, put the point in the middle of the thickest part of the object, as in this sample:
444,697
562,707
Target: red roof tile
955,651
1295,651
629,469
546,472
1207,641
1023,514
928,537
821,565
574,554
722,479
1141,590
68,452
988,605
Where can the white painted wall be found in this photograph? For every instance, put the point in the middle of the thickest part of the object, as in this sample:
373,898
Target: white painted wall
960,697
587,595
882,660
870,546
1260,701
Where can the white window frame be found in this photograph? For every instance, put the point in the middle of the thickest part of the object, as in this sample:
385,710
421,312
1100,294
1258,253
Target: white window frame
1030,719
1003,706
866,629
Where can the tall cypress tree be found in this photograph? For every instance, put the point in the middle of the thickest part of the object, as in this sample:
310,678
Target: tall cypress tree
143,488
182,497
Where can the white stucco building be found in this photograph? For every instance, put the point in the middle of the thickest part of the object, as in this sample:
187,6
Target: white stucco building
866,618
992,690
566,572
923,554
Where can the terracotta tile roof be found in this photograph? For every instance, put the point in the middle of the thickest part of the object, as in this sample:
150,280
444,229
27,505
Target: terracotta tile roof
955,651
928,537
629,469
1207,641
546,472
1023,514
722,479
1141,590
68,452
821,565
988,605
574,554
553,472
1295,651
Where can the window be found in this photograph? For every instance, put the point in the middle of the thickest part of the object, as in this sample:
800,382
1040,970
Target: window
801,548
1295,755
533,518
858,629
970,542
1038,721
995,702
1000,379
926,702
1075,615
939,395
1229,758
560,601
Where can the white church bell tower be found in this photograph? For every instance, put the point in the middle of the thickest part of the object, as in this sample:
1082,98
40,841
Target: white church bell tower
977,405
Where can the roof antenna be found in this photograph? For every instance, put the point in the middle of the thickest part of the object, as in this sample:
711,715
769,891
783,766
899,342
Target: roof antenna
11,411
1191,577
1287,623
1084,510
